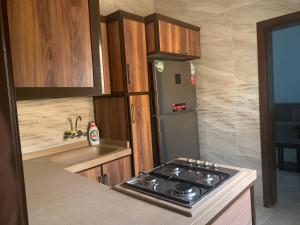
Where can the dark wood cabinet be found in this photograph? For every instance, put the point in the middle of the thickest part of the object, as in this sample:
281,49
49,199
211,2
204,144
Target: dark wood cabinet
127,53
127,118
55,47
111,173
117,171
167,36
94,174
104,58
141,133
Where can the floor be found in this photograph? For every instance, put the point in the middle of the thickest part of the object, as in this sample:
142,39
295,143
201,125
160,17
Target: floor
287,210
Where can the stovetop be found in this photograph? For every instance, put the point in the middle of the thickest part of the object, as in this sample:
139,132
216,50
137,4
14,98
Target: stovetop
183,182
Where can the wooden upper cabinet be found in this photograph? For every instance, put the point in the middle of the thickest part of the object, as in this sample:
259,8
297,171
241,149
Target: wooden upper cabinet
141,133
135,56
104,58
55,44
127,52
167,36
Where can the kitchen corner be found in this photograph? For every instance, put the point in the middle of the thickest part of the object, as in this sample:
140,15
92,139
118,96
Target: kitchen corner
57,196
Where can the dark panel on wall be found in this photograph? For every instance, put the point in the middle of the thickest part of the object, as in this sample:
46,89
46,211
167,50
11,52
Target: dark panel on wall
13,209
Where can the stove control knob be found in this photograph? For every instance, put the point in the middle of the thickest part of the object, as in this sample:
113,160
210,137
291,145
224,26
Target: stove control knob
206,164
199,163
215,166
190,161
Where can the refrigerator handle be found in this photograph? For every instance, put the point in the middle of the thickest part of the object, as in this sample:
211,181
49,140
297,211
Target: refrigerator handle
128,74
132,113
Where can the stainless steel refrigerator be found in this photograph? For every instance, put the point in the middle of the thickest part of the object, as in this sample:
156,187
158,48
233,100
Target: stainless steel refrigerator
174,111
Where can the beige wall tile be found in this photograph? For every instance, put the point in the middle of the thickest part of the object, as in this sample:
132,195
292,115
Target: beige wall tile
140,7
42,123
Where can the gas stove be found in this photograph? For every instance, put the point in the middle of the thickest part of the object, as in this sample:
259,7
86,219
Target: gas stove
182,181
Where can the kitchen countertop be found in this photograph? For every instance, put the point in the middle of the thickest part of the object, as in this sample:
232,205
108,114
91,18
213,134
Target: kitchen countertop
58,197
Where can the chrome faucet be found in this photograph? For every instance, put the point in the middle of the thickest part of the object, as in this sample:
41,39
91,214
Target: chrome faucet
76,123
75,133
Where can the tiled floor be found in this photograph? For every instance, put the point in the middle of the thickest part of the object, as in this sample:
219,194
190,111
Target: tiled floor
287,210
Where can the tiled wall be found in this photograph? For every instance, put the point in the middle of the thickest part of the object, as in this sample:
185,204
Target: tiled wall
227,90
43,122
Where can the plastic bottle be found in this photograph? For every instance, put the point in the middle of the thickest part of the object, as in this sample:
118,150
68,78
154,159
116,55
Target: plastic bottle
94,137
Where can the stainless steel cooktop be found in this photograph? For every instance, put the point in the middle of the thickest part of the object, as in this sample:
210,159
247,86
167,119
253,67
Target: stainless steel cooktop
183,182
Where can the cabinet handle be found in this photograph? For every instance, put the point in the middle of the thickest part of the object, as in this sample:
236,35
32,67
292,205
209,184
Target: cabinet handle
128,73
132,113
105,179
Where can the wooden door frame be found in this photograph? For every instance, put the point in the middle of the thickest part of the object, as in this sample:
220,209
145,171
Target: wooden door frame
13,209
266,101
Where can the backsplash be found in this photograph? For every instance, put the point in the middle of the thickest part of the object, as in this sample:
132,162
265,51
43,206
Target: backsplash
43,122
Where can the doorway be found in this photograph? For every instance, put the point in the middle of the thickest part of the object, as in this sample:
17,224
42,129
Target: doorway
273,148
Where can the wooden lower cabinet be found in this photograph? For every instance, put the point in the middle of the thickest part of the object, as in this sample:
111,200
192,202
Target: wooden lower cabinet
94,174
111,173
141,133
127,118
117,171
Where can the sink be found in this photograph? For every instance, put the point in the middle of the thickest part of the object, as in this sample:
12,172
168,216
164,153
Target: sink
83,154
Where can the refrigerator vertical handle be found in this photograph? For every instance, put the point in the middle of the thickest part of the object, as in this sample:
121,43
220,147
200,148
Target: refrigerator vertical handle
128,74
132,113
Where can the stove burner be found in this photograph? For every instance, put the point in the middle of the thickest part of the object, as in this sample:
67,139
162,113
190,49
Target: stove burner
207,178
185,191
172,169
148,180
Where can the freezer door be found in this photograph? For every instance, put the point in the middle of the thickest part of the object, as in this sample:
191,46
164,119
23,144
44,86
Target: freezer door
178,136
173,86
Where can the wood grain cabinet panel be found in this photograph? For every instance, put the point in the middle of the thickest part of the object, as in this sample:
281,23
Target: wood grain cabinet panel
111,117
169,37
115,56
135,56
105,59
127,53
141,133
117,171
51,43
94,174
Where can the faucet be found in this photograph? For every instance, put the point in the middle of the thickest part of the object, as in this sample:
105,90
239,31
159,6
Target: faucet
75,133
76,123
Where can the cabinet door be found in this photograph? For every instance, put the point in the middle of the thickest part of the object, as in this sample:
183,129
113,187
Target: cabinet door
141,133
117,171
105,60
193,43
135,56
51,43
93,174
172,38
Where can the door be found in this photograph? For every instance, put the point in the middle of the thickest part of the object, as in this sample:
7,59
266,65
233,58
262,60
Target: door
178,136
117,171
135,56
173,86
141,133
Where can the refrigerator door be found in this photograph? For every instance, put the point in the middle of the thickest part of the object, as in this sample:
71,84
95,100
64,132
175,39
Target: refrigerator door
178,136
173,87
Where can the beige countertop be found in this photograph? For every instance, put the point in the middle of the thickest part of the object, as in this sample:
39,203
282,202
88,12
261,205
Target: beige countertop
58,197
